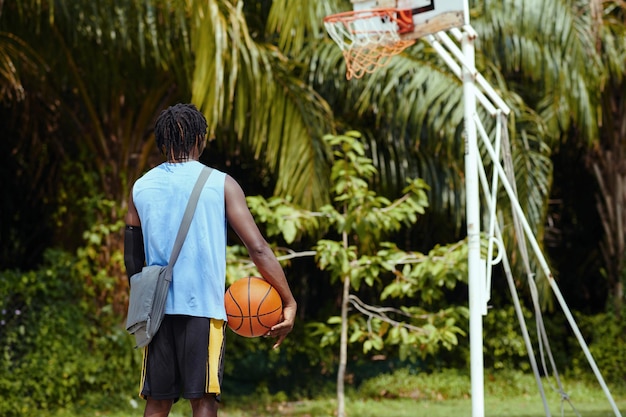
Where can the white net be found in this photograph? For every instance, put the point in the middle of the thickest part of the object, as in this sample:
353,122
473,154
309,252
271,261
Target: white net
369,38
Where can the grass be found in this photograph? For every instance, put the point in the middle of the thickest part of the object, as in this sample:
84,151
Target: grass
406,395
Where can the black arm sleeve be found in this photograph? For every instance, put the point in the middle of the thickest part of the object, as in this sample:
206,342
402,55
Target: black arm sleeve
134,256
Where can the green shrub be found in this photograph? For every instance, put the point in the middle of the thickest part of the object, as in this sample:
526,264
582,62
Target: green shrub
300,367
55,349
503,344
605,335
407,383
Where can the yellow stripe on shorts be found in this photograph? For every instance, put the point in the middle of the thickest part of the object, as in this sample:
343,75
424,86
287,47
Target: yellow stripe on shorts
143,370
216,343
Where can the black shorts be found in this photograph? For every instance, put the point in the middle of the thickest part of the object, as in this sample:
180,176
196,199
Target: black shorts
185,357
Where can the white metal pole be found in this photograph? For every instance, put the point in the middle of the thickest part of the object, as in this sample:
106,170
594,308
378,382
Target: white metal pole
476,269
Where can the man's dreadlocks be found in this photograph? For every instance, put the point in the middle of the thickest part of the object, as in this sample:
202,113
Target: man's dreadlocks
178,130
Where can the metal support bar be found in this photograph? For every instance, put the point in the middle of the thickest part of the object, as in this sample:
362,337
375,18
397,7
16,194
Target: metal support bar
469,66
546,270
456,69
491,206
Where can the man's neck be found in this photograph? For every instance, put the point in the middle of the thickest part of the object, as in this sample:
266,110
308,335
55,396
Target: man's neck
193,156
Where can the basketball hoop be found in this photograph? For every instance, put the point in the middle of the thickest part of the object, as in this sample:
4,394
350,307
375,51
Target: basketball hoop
369,38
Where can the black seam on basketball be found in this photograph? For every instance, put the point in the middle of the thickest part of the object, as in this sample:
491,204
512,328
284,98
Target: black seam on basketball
236,303
267,293
235,316
268,313
249,291
249,308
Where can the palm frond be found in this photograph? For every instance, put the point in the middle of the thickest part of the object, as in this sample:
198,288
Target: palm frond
17,60
298,23
251,88
547,52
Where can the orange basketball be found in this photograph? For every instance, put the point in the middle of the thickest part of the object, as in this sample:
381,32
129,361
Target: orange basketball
253,306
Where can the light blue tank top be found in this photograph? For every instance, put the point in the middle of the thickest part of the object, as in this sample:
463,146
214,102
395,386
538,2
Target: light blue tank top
199,275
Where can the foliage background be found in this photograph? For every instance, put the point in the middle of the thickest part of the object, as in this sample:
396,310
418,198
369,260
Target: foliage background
82,82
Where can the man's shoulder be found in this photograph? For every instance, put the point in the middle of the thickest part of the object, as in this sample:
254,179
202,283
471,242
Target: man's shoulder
148,178
155,171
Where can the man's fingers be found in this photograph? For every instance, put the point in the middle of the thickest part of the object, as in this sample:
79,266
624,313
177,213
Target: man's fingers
279,341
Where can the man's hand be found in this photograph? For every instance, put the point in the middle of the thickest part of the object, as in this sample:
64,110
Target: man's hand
282,329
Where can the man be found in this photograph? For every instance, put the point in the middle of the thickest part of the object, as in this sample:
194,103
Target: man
191,337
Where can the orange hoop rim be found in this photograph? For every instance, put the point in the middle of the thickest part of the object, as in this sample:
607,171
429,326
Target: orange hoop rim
353,15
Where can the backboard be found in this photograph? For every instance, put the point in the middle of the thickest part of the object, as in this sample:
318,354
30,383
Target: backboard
429,16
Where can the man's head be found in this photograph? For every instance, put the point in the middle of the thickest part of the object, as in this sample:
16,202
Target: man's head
180,132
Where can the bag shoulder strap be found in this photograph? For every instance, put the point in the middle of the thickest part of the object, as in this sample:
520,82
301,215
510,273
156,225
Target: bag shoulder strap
188,216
